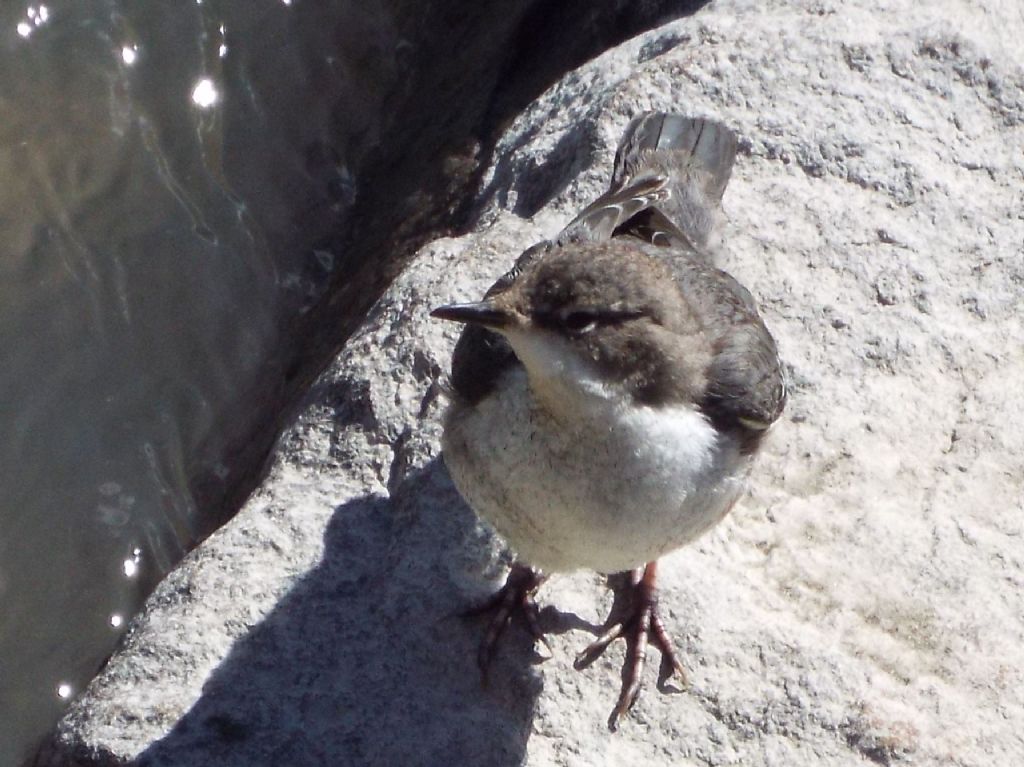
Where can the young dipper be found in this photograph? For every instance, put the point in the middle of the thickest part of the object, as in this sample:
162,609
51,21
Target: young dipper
609,393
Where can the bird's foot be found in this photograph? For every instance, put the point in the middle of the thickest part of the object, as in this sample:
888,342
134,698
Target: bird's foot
639,623
516,596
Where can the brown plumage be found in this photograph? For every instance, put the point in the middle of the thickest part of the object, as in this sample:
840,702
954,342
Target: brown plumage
640,356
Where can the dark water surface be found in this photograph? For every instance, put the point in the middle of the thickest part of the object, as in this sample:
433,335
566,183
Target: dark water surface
147,265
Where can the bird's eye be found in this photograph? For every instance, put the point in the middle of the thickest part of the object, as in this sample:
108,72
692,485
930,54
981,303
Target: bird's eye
580,321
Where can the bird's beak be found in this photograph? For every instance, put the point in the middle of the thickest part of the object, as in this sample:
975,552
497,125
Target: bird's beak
483,313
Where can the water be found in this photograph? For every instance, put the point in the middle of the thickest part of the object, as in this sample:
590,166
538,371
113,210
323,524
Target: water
161,219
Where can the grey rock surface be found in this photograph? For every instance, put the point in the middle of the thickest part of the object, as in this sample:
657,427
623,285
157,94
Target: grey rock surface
864,604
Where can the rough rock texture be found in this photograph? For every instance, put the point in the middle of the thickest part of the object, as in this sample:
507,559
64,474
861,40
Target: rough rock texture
864,604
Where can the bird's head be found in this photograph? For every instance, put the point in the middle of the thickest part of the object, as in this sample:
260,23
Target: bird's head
596,319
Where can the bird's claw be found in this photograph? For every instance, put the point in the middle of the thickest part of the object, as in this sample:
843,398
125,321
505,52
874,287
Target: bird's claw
639,623
515,596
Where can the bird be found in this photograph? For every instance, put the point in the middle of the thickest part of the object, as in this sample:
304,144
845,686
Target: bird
609,393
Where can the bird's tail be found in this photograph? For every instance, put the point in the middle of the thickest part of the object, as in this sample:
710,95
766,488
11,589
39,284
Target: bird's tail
696,154
667,185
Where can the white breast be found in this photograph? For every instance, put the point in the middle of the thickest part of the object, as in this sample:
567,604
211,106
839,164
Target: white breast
604,485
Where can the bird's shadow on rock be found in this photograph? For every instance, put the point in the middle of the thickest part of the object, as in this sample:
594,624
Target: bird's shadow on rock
362,662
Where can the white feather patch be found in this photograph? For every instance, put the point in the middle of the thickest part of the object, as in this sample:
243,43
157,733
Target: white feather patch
574,476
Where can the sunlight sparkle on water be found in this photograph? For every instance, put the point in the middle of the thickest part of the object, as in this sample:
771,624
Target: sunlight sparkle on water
129,53
131,566
116,620
36,18
64,690
204,94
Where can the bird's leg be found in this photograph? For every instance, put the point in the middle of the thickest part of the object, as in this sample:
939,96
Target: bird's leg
515,596
639,622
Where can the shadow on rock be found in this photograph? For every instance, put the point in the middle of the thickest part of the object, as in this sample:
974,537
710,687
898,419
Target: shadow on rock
362,661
